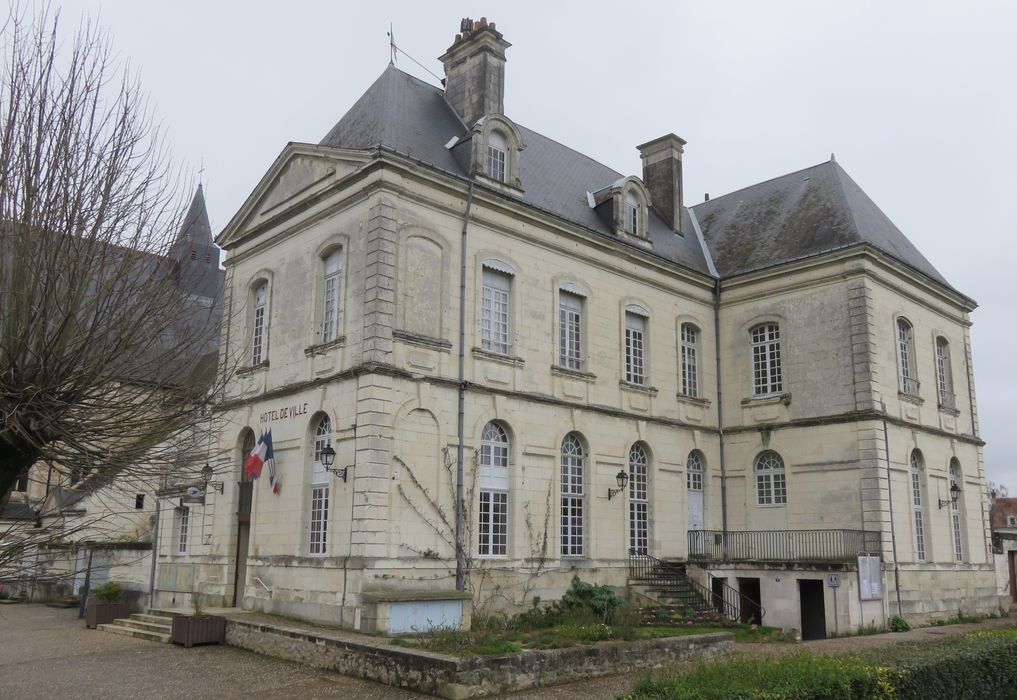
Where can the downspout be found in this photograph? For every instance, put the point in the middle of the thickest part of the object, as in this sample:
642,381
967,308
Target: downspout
889,497
155,554
461,417
720,415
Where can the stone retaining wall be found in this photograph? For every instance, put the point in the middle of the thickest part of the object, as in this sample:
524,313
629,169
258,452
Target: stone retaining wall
467,677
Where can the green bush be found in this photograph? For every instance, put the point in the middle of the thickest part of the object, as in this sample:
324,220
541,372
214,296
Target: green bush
899,624
109,592
601,600
979,665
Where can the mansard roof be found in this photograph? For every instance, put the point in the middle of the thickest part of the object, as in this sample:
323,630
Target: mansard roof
799,215
806,213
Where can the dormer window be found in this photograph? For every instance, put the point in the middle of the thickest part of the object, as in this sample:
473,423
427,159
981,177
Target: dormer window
631,213
497,148
624,206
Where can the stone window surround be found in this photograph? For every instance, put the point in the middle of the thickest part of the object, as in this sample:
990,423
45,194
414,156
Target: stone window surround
480,136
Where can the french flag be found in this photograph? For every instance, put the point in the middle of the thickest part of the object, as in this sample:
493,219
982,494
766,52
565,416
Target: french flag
261,454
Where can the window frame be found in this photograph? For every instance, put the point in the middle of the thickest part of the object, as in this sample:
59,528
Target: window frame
573,475
767,360
259,323
907,361
571,344
956,514
770,472
496,288
917,490
332,306
493,477
944,375
688,374
319,490
183,528
695,473
639,499
635,368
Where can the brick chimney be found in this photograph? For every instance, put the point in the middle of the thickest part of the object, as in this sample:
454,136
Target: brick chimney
662,175
475,71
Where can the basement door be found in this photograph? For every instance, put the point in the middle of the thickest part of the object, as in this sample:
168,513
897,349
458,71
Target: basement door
813,609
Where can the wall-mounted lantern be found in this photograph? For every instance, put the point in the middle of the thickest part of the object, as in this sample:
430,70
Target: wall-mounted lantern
622,478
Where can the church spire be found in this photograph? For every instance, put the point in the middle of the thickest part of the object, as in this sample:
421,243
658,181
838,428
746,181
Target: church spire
195,230
194,251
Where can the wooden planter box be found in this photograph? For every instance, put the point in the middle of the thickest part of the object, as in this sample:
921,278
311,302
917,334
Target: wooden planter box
189,630
105,613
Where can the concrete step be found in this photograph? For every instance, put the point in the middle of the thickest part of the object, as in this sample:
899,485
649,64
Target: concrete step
159,627
149,617
134,632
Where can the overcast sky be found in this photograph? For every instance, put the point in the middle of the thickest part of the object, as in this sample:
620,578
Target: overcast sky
917,99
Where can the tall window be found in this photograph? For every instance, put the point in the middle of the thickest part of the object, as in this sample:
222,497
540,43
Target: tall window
690,360
494,460
944,374
570,330
694,477
771,483
917,504
260,322
495,310
631,213
332,309
497,148
906,357
955,512
766,371
573,496
21,485
639,529
320,488
183,526
635,348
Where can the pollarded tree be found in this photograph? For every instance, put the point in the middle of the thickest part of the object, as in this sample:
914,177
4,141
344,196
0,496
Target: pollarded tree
107,337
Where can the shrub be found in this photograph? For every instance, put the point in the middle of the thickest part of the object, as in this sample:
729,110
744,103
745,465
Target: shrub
601,600
899,624
537,617
109,592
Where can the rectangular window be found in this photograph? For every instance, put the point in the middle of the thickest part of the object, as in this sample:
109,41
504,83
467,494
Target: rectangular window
570,330
258,336
916,498
495,311
21,485
332,310
635,361
690,360
139,501
493,524
184,524
496,163
631,218
906,354
943,375
958,545
639,521
319,519
766,360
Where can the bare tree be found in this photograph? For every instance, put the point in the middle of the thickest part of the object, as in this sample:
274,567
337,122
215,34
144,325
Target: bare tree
107,353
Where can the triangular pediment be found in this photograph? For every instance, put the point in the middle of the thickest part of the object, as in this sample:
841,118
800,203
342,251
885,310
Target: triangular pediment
300,172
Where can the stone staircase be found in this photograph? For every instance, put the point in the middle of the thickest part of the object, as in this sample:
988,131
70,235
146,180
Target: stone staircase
152,626
668,584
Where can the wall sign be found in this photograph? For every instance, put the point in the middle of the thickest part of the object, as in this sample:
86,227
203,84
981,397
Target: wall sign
284,413
870,577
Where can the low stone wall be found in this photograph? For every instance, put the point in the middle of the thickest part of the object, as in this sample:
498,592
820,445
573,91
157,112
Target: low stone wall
466,677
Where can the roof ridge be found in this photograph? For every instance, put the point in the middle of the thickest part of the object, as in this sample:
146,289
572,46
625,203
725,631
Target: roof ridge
763,182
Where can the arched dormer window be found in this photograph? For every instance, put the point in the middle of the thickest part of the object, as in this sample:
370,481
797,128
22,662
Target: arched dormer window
496,147
631,208
630,220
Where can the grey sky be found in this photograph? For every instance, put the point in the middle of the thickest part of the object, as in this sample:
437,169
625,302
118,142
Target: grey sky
917,99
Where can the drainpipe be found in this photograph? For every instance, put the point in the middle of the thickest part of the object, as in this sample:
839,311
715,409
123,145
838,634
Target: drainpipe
461,417
155,555
889,496
720,415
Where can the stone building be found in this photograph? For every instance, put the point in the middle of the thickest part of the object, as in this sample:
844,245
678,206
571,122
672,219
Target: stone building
777,377
1003,521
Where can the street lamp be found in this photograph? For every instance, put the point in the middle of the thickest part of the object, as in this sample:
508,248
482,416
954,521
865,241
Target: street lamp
954,495
622,478
328,459
206,476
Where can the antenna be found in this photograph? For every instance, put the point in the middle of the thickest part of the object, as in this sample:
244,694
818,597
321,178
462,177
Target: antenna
395,50
201,171
391,46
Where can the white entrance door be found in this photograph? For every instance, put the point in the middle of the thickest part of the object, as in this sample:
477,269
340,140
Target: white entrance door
696,520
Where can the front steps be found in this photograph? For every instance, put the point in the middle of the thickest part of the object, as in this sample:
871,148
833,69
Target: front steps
668,583
154,627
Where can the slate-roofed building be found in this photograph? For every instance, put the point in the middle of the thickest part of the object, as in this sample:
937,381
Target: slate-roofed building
754,389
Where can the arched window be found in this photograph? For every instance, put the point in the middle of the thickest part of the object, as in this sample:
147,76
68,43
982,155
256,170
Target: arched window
694,468
906,357
944,375
331,320
639,529
493,518
497,153
573,496
259,330
767,377
917,504
690,360
319,495
955,511
771,484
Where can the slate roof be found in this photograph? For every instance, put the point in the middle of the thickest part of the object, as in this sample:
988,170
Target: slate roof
798,215
816,210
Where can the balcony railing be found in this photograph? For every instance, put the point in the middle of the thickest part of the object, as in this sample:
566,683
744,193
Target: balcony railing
947,400
909,386
820,546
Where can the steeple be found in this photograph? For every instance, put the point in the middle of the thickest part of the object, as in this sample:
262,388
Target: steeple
195,253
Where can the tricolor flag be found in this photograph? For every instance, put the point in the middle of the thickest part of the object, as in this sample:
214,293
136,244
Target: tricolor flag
262,453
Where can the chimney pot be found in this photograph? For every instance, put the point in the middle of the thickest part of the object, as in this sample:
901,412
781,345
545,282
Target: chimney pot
483,22
475,71
662,175
706,197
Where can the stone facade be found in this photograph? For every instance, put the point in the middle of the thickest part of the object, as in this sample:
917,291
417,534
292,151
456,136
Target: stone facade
387,381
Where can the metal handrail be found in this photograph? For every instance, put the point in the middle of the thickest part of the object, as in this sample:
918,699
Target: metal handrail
731,603
829,546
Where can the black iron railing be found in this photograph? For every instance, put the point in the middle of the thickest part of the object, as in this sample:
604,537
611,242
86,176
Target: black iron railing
822,546
670,579
246,489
